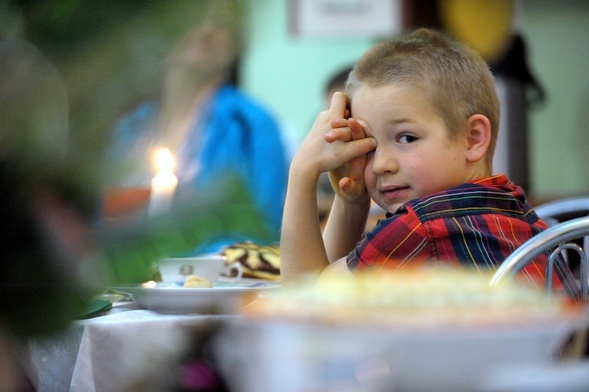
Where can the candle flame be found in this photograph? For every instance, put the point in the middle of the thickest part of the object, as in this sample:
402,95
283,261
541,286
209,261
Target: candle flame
164,161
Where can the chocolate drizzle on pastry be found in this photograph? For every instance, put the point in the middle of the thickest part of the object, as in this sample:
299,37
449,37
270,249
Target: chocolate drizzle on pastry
257,261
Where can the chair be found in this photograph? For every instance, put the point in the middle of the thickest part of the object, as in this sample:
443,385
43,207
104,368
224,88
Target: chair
560,210
553,241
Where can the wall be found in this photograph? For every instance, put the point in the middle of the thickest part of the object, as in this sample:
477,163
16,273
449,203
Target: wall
287,74
557,33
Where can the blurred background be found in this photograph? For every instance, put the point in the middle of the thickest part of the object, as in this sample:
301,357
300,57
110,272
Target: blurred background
110,52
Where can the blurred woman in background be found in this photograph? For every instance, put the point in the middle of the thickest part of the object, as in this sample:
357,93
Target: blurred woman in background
210,126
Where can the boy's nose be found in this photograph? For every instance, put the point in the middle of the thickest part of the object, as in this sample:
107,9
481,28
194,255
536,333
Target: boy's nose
384,162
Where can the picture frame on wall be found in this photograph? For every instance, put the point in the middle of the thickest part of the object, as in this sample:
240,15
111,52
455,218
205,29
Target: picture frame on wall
345,18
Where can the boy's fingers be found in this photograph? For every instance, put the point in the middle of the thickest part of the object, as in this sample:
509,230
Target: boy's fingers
359,147
356,129
366,144
337,109
338,122
341,134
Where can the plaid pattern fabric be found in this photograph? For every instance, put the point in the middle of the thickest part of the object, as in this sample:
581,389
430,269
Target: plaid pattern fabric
475,224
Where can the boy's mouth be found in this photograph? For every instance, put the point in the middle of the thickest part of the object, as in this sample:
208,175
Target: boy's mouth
393,192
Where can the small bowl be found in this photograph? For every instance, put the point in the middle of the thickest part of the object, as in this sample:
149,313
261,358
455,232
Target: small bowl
211,267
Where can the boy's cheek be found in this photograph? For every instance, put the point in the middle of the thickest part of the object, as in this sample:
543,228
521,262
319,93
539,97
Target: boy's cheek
369,176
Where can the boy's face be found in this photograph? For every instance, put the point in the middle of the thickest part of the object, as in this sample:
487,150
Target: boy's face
414,156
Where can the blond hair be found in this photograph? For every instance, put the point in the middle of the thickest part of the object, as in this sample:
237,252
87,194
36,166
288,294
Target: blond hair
455,79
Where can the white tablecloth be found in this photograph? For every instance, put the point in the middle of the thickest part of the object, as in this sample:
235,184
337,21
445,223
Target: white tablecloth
138,350
126,349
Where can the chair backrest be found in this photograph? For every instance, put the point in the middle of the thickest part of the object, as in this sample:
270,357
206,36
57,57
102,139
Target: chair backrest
560,210
554,240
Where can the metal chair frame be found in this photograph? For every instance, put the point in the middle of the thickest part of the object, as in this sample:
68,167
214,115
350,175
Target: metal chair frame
552,212
555,240
559,210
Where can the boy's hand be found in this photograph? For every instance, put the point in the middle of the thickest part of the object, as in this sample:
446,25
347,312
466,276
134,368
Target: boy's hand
337,144
348,179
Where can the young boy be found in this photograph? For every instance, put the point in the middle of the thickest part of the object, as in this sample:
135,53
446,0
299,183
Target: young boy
415,132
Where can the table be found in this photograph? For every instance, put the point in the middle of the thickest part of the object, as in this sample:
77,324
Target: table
126,349
129,349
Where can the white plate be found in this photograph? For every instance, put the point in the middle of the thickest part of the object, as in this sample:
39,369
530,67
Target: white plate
222,298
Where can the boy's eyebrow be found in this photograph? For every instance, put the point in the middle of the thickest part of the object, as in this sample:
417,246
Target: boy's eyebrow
399,121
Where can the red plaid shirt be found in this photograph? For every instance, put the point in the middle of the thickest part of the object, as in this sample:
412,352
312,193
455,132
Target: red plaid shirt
478,224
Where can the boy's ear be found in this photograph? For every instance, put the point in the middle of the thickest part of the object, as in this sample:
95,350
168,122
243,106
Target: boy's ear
478,137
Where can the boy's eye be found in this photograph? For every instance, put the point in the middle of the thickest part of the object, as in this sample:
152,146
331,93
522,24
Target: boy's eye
406,139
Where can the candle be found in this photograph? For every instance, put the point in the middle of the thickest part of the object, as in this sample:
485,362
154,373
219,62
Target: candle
163,185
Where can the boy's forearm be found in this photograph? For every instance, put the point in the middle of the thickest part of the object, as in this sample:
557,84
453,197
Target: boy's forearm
344,228
301,245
